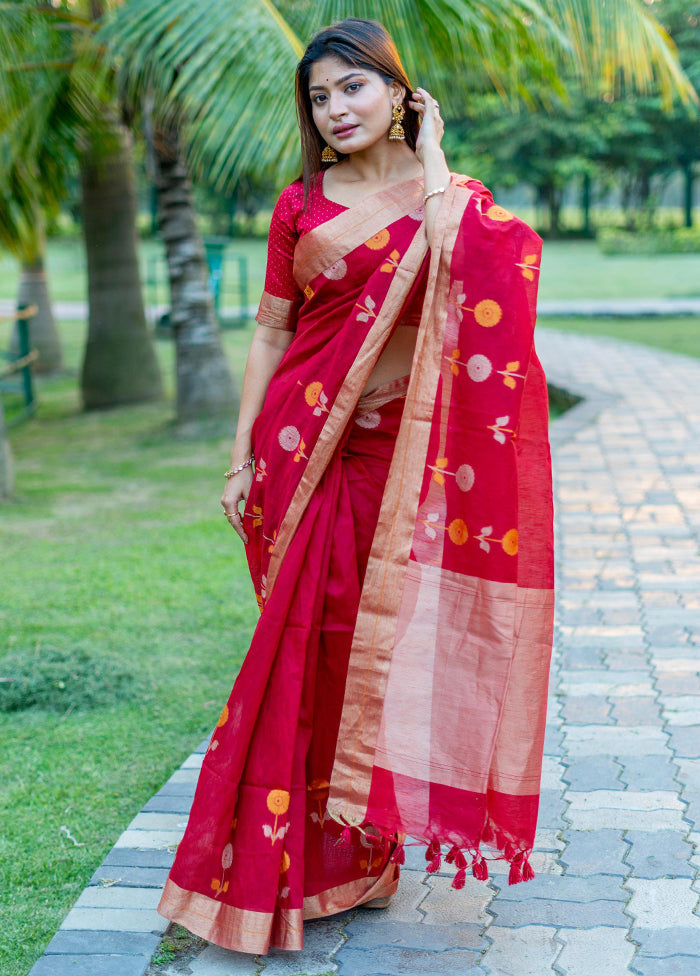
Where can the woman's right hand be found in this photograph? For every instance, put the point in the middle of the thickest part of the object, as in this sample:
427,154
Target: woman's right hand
236,491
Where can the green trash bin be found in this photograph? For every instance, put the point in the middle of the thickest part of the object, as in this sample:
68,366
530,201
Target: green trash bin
215,248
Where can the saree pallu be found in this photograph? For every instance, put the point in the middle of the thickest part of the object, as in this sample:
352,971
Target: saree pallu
404,694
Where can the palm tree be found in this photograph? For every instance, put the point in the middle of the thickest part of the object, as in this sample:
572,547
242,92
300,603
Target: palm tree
57,106
221,68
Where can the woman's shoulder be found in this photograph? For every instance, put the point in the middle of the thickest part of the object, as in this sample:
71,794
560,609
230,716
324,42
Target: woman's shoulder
487,208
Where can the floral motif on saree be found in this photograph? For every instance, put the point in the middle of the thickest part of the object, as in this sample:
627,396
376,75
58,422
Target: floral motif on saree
396,682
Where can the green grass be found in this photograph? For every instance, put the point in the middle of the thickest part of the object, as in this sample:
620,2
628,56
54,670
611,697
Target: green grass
570,269
115,546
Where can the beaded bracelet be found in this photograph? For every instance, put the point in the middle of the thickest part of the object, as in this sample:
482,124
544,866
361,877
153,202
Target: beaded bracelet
241,467
433,193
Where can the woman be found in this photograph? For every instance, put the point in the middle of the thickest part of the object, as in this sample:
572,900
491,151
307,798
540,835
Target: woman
397,523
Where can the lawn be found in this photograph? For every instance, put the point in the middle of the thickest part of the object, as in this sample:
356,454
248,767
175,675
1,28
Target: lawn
115,546
570,269
673,334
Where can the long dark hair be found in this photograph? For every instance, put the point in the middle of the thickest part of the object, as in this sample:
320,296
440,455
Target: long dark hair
360,44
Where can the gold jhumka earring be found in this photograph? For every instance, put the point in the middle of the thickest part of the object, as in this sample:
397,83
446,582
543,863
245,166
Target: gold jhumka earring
329,155
396,132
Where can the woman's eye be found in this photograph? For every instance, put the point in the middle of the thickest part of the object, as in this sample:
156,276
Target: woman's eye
353,86
317,99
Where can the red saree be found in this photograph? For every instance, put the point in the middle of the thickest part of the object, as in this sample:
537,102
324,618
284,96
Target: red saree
400,546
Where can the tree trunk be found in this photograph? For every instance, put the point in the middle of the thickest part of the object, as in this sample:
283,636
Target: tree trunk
33,290
7,479
689,179
120,364
205,387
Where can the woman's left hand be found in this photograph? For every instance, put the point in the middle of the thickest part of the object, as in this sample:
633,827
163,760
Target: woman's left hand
432,127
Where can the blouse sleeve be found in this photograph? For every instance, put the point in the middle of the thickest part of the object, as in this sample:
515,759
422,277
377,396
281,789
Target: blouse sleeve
282,297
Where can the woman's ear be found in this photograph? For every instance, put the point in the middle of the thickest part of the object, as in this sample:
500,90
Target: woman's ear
398,92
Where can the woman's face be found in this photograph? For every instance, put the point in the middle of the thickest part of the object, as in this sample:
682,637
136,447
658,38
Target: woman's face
351,106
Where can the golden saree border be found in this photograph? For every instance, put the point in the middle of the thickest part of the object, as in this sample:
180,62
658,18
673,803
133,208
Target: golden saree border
340,235
278,313
346,401
353,894
232,928
375,630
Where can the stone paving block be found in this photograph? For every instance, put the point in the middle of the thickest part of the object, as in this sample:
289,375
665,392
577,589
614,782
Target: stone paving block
155,840
548,839
441,907
542,862
660,943
551,810
662,903
604,682
586,709
193,762
214,961
117,897
184,776
513,952
552,772
407,935
610,948
595,852
592,773
670,966
177,789
322,938
625,810
629,660
645,740
553,741
636,711
86,943
566,888
685,741
90,966
158,821
649,773
115,920
135,857
656,855
559,914
405,905
162,803
573,658
130,877
670,683
387,962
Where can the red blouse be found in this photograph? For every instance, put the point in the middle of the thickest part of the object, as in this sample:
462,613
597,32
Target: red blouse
282,297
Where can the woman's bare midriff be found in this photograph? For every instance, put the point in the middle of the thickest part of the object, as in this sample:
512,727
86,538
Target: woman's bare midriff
396,359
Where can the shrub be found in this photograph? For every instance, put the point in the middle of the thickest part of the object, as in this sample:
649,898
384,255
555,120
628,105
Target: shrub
59,680
676,240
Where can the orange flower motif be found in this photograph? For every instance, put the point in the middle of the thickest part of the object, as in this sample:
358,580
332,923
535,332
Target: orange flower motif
437,469
317,790
223,718
499,214
488,313
300,453
278,802
529,266
309,292
458,532
257,516
391,263
509,374
315,397
509,542
378,241
286,861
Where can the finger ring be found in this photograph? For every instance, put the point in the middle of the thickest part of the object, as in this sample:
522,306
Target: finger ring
437,106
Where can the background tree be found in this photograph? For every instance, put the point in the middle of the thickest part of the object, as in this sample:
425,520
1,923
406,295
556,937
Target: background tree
236,117
57,106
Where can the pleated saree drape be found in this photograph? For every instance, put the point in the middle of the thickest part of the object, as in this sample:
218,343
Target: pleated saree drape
400,546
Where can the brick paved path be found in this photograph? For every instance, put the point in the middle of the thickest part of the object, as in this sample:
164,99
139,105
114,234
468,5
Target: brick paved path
616,890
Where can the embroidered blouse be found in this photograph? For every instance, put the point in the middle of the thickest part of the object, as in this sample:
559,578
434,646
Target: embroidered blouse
282,298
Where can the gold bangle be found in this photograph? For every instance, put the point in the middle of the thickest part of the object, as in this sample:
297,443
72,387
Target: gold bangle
246,464
433,193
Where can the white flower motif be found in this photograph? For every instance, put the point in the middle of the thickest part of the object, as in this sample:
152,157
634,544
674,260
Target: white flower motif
369,420
479,368
417,214
337,270
465,477
289,438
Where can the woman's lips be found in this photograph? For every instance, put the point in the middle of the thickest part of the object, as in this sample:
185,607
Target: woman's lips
345,132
